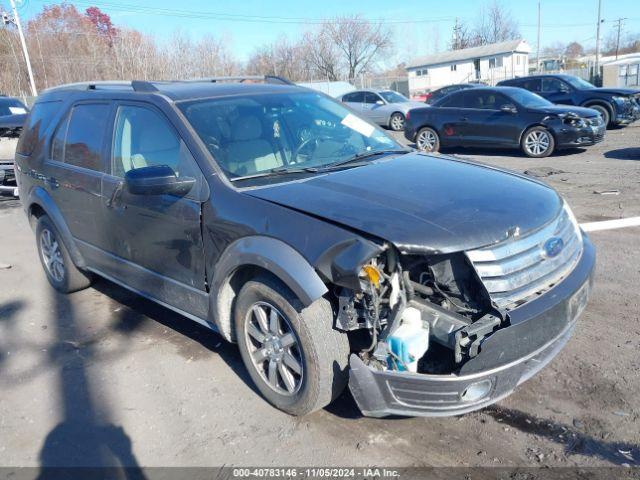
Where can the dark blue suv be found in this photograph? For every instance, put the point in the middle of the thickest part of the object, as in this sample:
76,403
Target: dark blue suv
618,106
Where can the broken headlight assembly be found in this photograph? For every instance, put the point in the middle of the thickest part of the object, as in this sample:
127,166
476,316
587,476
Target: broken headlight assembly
573,120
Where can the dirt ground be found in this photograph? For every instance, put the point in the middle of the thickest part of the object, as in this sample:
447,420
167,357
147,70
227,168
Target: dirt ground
102,377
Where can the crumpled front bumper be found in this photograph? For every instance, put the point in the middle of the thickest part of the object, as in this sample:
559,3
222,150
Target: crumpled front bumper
538,331
629,114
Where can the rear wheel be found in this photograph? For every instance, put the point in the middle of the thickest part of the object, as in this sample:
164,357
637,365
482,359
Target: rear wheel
396,122
604,113
62,274
537,142
428,140
293,354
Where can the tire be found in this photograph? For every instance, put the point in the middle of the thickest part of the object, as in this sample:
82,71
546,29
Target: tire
321,353
428,140
537,142
396,122
604,112
61,272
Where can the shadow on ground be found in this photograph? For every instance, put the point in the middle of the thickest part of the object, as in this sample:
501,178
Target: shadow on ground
624,154
85,436
574,441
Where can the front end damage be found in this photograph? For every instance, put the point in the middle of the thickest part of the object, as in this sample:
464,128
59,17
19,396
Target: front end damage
444,334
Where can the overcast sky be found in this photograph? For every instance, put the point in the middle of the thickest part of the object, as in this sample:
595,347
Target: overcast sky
419,26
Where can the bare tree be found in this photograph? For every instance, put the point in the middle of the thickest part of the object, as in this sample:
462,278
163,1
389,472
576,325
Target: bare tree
495,24
359,42
322,54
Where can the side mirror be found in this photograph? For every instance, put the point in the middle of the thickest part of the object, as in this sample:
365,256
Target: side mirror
379,102
157,180
509,108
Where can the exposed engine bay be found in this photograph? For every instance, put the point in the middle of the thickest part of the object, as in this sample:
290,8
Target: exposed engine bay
423,313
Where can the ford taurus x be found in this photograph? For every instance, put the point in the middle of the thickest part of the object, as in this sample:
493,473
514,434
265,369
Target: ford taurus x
329,253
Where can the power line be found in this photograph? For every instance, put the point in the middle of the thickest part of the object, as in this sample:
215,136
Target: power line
247,18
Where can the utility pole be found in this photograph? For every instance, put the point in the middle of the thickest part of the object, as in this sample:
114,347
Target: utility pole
538,45
16,20
619,21
456,36
597,66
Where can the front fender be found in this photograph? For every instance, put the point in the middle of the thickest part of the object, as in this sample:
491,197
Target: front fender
40,197
270,254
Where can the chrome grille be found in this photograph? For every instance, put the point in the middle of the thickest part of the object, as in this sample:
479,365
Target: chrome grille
517,270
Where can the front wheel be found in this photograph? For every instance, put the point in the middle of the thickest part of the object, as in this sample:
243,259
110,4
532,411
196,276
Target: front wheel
293,354
537,142
428,140
396,122
604,113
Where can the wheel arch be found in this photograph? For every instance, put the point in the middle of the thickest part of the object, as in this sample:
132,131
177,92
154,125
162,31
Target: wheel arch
249,257
40,203
599,102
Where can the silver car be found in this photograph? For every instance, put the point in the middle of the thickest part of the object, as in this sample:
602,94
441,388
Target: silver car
384,107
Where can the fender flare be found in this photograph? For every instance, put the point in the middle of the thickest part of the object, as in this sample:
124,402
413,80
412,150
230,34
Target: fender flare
270,254
39,196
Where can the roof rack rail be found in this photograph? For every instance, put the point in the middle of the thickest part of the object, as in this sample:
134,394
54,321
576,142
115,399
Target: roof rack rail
244,78
135,85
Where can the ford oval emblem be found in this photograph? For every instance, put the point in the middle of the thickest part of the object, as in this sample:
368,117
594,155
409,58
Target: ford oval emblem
552,247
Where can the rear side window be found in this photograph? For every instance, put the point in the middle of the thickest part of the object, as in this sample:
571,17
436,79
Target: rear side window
453,100
533,85
356,97
84,136
37,122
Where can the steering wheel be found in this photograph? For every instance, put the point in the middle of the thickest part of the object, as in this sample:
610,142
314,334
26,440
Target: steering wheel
304,143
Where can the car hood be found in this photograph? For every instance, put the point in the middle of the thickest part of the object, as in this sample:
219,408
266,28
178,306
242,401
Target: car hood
559,109
422,203
616,91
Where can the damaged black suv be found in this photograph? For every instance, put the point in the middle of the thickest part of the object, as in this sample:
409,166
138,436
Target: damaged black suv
275,216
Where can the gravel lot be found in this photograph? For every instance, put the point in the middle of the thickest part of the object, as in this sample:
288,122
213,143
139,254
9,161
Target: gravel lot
102,377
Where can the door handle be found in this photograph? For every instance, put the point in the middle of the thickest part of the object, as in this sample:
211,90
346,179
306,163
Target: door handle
52,182
115,194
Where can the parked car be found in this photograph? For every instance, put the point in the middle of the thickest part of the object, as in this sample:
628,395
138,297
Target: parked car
503,117
12,116
330,253
444,91
384,107
618,106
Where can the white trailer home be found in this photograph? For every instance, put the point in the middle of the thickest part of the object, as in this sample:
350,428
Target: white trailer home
488,63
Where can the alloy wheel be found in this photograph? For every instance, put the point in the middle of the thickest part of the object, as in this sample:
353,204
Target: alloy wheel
397,122
426,141
537,142
274,348
52,255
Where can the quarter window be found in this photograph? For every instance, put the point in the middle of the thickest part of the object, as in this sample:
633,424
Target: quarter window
84,136
38,121
143,138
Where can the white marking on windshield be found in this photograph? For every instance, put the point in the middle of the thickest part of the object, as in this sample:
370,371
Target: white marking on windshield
357,124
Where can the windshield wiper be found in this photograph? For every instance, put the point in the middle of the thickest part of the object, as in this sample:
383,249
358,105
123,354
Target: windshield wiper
275,172
361,156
